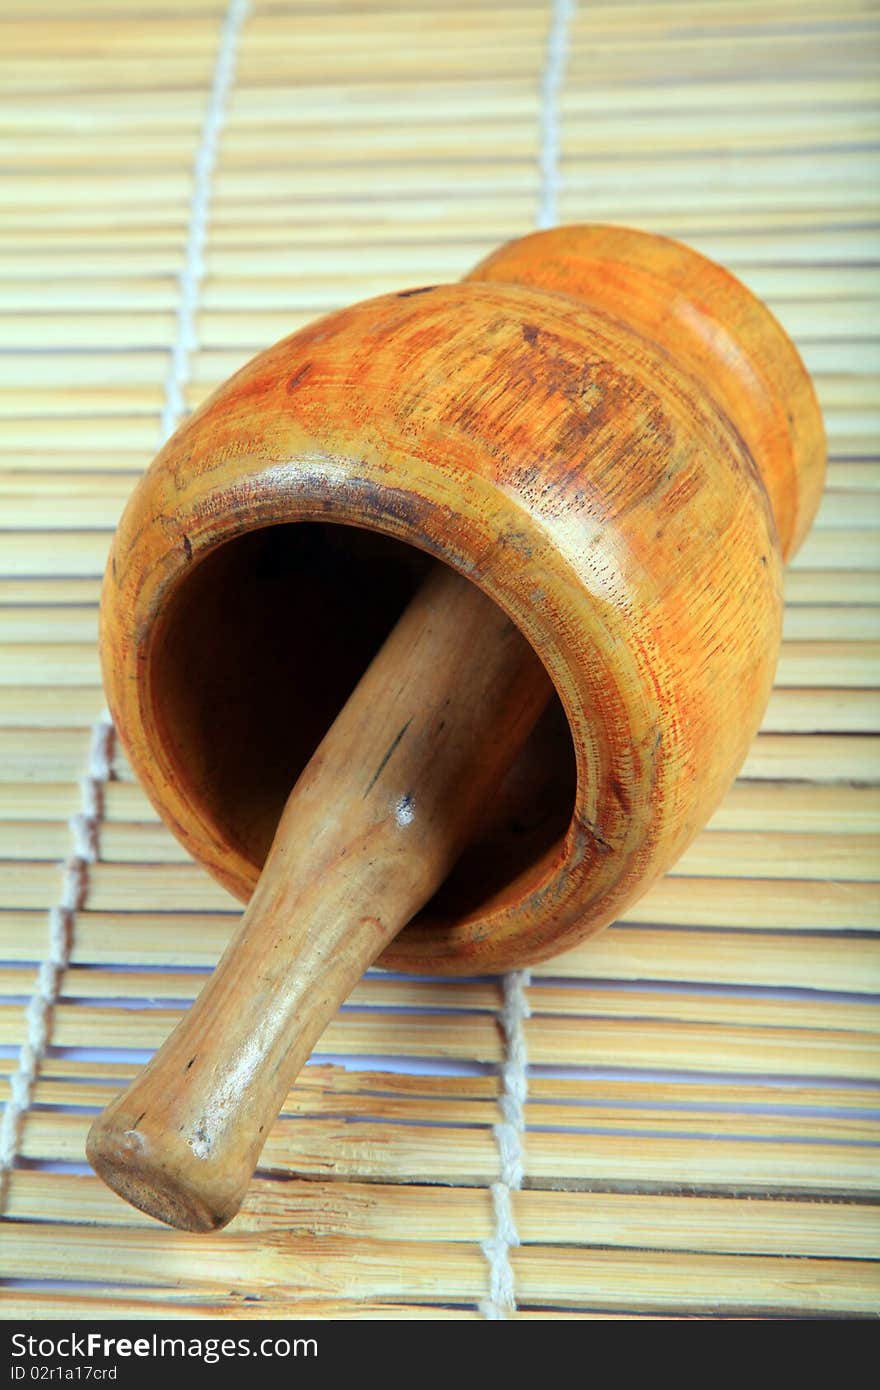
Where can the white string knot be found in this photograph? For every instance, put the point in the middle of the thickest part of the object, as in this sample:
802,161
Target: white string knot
508,1137
194,268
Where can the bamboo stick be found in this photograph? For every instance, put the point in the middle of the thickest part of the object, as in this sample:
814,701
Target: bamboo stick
805,624
842,858
322,1149
601,1042
44,707
271,46
822,711
34,622
152,1303
39,801
607,10
782,905
750,134
452,59
44,755
329,1083
322,1086
44,554
171,1303
847,475
665,1282
628,1120
794,176
379,993
716,1224
50,663
734,956
788,806
423,23
831,586
311,1269
753,904
328,1090
791,103
149,247
722,957
631,135
817,757
30,457
841,508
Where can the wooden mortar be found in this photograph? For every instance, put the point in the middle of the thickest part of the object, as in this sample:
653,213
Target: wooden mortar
490,574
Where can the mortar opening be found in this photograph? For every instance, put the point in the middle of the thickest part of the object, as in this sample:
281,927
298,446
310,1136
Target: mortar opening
264,641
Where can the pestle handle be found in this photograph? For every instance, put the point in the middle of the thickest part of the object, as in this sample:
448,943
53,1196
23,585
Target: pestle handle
369,832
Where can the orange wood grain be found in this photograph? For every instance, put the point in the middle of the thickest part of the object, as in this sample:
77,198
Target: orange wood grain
574,454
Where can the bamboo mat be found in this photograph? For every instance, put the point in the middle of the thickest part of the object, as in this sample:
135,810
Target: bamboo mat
184,184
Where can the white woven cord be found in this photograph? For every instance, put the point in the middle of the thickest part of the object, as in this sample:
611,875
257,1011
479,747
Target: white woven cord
193,272
552,81
85,829
85,826
508,1136
501,1302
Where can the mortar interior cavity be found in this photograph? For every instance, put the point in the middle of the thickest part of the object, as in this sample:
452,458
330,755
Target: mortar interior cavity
259,649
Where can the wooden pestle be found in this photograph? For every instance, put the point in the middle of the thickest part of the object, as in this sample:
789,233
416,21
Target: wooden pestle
370,831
